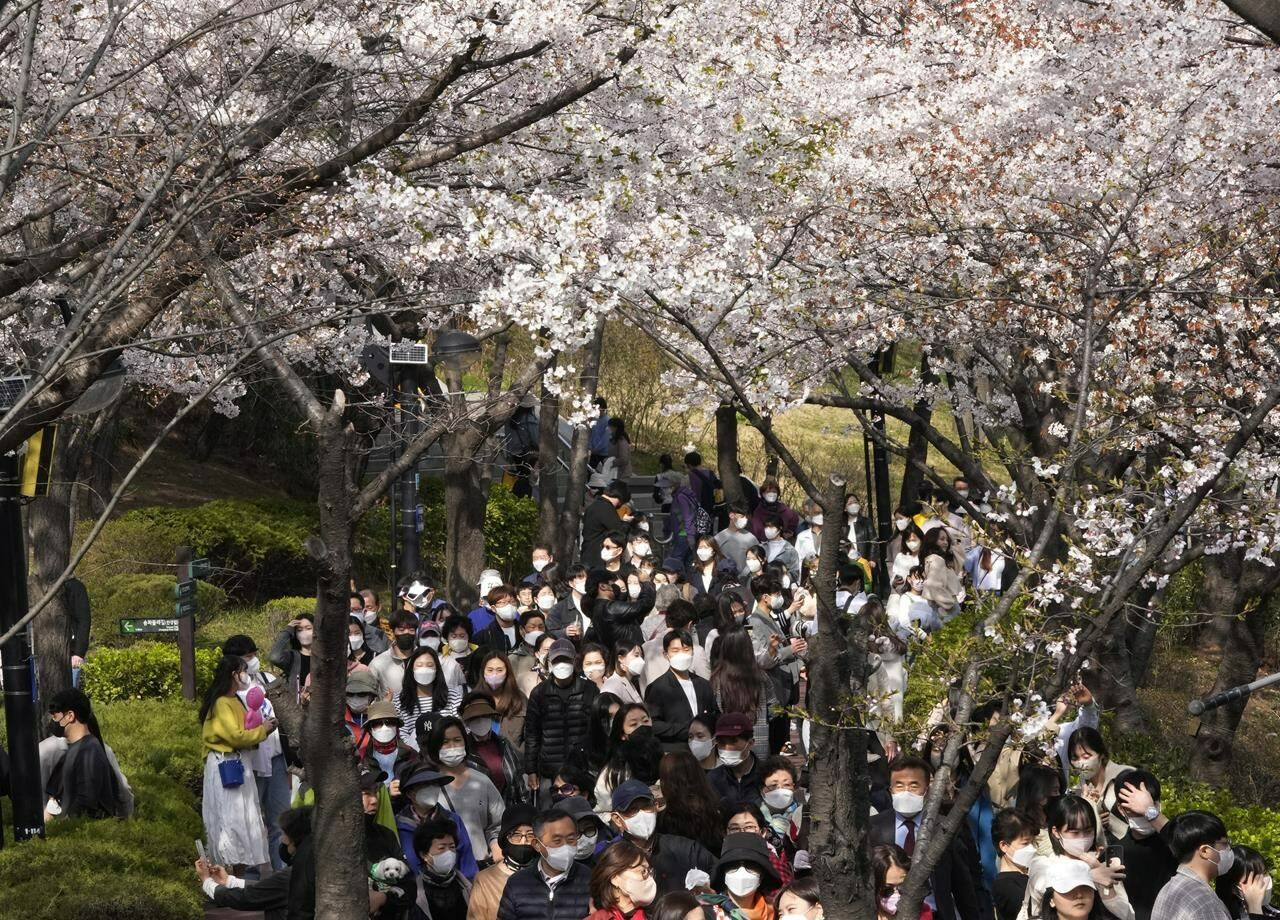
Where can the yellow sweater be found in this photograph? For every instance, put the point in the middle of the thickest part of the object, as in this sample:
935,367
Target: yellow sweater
223,730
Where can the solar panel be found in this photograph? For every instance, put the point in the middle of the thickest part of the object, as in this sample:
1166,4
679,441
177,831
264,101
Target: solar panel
408,353
10,389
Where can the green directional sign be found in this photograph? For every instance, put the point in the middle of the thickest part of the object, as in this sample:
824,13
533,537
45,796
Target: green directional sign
184,589
185,607
199,568
132,626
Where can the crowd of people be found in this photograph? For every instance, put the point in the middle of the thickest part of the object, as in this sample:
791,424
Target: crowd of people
617,736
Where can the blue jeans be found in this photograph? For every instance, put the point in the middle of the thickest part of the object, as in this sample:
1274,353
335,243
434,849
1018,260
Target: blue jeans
273,796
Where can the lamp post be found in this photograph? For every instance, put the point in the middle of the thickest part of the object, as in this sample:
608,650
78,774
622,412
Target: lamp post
450,346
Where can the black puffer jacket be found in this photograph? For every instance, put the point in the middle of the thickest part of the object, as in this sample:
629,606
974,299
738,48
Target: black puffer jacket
527,897
621,619
555,722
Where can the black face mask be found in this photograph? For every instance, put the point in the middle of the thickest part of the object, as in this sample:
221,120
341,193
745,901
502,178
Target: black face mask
406,643
56,729
519,854
285,856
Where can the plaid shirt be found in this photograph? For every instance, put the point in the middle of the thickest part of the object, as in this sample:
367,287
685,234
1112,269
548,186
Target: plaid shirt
1186,896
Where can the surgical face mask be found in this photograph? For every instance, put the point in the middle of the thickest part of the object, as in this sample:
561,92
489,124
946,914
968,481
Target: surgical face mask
1022,856
740,523
562,670
742,881
540,564
1226,859
779,799
608,555
561,858
732,758
586,845
480,728
1087,767
532,637
495,680
356,642
453,756
633,590
384,734
786,582
641,824
370,616
753,566
424,676
507,612
644,525
902,523
681,661
1139,826
909,804
580,586
890,903
816,520
963,493
777,602
442,864
642,894
640,549
306,637
358,703
459,645
592,671
770,497
853,555
853,508
701,748
635,665
252,665
771,533
705,553
917,585
913,545
546,602
425,797
1077,846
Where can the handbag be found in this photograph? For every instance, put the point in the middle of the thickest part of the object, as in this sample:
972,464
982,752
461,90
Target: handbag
231,772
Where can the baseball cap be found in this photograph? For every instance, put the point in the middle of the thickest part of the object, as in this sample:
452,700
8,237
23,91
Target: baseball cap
1065,874
735,725
579,808
371,779
424,776
562,648
626,794
489,579
362,681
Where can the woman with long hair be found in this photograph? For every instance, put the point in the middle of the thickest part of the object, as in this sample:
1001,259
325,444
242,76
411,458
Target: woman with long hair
636,756
622,883
942,587
1072,831
471,795
1245,888
593,752
496,676
730,614
621,442
628,665
741,685
691,809
231,810
889,680
424,691
704,573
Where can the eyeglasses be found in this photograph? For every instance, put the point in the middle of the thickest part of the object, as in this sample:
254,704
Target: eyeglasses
566,790
744,828
519,837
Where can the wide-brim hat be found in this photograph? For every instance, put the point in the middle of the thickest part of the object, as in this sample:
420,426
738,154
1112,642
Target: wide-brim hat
750,849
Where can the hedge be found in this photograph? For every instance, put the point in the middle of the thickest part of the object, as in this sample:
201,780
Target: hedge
143,671
261,623
132,595
120,870
510,528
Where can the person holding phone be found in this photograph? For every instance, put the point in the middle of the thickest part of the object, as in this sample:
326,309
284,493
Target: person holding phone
1073,835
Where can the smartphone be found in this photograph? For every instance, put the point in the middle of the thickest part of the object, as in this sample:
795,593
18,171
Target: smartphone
1114,851
200,849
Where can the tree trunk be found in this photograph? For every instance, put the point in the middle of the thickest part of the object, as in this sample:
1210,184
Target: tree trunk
917,444
97,470
465,500
338,822
1142,641
1117,690
575,488
727,453
548,466
839,798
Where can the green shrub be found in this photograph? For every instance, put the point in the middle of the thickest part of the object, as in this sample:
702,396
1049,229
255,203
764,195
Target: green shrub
259,623
142,671
120,870
510,528
120,596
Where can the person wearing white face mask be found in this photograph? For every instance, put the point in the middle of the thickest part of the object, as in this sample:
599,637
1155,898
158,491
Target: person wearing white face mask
777,549
737,538
742,875
386,753
490,750
424,691
1139,825
1091,762
739,779
622,883
782,806
556,887
442,891
707,572
557,718
422,788
776,632
470,794
907,558
679,696
1200,844
544,565
570,618
457,645
903,524
635,818
1072,828
601,518
954,884
1246,888
772,506
624,682
291,651
1014,835
503,633
859,534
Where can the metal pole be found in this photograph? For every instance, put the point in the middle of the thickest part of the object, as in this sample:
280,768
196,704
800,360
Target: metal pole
1198,707
186,631
19,705
884,524
409,559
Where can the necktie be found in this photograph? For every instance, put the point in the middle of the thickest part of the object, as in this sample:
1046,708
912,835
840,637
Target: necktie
909,842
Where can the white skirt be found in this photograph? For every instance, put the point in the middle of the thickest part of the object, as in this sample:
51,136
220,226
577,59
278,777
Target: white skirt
233,817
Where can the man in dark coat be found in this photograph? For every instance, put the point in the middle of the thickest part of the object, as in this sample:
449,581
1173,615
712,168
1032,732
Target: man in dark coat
556,887
600,518
679,696
557,716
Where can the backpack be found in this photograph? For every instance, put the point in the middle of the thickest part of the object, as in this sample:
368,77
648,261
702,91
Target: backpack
702,522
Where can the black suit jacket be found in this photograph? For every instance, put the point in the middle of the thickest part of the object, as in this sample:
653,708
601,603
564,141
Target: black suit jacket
599,519
954,888
669,708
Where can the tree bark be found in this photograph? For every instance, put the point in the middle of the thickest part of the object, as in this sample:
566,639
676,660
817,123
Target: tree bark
839,797
338,822
1263,15
727,453
575,488
98,464
548,466
1117,690
465,500
917,444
